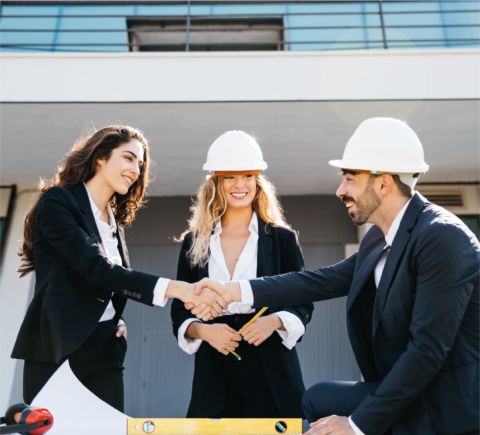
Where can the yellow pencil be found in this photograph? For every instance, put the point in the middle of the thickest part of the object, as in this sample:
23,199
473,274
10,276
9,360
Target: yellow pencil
253,320
244,326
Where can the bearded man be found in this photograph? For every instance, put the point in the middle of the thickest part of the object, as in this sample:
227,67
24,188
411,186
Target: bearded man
413,299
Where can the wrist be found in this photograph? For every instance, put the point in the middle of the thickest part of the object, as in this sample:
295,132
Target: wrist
234,290
179,290
276,321
194,331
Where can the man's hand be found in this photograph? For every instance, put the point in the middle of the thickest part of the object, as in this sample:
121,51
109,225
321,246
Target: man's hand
332,425
221,337
122,330
218,287
257,332
208,302
203,312
229,291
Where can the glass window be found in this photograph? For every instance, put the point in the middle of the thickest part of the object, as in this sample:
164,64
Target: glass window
312,26
206,34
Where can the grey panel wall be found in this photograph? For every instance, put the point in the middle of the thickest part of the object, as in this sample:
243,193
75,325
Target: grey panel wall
158,375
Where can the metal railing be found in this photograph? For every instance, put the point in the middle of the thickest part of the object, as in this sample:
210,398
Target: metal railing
287,42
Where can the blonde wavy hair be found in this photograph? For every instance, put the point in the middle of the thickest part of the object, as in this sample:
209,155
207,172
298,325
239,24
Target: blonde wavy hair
210,205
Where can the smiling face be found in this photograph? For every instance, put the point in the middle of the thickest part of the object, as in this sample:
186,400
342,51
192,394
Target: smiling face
239,190
357,192
123,167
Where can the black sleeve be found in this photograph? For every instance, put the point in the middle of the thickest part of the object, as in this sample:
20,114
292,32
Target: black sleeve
295,263
447,274
56,221
305,286
186,273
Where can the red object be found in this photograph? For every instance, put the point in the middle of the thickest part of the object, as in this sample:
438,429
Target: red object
34,415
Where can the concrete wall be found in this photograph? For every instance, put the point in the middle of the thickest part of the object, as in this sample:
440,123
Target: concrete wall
241,76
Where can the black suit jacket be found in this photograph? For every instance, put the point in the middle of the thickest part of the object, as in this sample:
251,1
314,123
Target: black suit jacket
278,251
425,322
74,278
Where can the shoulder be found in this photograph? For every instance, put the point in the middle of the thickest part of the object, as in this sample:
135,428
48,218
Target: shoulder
187,241
57,195
284,235
436,224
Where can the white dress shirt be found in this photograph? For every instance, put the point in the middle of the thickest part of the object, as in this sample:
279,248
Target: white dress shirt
246,268
107,233
247,293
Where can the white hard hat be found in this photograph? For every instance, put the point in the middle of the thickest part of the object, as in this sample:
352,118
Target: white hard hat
385,145
234,151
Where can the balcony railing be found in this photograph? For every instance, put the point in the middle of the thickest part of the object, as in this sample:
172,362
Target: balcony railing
334,26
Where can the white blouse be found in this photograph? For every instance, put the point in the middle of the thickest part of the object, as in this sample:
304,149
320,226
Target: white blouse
110,243
246,268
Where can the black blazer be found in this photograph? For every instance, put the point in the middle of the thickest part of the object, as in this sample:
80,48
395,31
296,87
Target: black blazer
74,278
424,342
278,251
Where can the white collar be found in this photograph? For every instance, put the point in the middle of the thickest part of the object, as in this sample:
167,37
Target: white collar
392,232
252,227
97,213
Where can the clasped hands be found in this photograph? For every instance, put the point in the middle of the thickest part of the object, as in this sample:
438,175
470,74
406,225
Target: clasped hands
210,297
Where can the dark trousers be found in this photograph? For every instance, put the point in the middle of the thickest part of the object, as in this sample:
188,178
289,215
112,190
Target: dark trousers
335,398
97,363
247,392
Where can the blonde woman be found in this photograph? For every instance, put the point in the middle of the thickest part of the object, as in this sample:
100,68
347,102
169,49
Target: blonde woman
237,232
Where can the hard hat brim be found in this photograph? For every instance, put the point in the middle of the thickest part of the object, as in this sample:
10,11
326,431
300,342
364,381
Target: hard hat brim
392,168
260,167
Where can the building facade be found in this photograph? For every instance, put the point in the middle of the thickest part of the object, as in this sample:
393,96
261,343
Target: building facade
298,76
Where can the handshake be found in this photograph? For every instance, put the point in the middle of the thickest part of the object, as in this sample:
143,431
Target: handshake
207,298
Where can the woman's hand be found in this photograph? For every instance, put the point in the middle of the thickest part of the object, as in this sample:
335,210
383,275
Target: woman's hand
122,330
208,302
261,329
219,336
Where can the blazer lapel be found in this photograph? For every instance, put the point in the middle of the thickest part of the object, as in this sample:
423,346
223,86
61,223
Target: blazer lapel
264,249
396,250
80,192
365,270
122,247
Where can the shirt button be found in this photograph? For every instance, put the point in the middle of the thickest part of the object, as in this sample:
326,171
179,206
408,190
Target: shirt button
129,293
139,295
308,316
134,294
237,319
125,292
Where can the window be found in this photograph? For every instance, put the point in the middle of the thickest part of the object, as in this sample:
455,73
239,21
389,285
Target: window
7,197
211,34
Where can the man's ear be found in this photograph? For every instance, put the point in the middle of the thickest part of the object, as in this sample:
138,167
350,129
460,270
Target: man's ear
386,185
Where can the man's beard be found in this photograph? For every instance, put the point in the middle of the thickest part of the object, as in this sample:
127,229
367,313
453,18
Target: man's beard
366,204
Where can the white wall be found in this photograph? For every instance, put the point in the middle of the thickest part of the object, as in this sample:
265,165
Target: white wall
241,76
14,299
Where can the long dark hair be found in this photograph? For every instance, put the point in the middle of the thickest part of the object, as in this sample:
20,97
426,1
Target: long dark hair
80,165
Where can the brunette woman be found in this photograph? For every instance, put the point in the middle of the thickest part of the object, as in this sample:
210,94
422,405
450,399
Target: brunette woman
74,241
237,232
